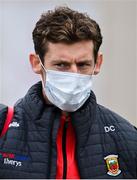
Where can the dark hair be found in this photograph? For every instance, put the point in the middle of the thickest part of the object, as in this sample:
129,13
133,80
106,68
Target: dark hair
67,26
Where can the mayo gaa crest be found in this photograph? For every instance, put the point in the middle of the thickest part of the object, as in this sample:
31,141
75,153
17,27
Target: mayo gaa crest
112,165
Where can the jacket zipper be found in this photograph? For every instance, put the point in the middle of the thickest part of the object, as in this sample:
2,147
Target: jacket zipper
64,149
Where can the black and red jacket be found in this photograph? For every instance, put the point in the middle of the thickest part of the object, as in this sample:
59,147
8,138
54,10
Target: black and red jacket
39,145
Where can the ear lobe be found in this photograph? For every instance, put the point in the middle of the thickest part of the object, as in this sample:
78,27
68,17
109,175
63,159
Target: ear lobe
35,63
98,63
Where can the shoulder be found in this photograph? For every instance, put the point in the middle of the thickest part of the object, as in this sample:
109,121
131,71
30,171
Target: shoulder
109,117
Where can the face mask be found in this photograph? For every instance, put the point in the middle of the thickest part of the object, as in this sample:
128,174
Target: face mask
68,91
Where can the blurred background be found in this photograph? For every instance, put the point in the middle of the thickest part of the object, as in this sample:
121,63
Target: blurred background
115,86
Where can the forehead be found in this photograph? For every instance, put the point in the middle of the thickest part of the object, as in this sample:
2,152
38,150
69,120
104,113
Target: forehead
78,50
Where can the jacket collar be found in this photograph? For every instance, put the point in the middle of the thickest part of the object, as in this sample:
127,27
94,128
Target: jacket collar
35,106
83,119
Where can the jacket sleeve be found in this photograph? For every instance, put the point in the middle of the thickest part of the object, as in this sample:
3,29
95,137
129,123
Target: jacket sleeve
3,115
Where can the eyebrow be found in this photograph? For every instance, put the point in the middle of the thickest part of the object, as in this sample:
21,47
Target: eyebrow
67,62
60,61
85,61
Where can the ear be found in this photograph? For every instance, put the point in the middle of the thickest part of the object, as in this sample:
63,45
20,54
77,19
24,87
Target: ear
98,63
35,63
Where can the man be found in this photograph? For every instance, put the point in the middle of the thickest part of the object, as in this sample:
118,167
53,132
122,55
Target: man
58,130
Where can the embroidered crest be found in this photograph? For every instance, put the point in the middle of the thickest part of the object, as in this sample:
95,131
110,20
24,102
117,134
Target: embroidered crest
112,165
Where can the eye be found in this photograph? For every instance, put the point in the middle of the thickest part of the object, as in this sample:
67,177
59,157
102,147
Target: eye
84,65
62,65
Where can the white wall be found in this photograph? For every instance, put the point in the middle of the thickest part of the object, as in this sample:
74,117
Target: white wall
115,86
0,52
136,61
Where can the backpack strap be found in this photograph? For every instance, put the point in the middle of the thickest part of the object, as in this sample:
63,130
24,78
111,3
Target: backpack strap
7,121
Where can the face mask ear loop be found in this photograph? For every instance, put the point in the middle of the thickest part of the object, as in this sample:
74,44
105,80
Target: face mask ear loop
43,84
41,63
93,71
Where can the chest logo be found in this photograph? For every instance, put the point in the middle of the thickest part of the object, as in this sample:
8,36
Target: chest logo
109,128
14,124
112,165
12,159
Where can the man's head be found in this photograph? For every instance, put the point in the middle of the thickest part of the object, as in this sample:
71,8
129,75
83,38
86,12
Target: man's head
65,26
66,40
